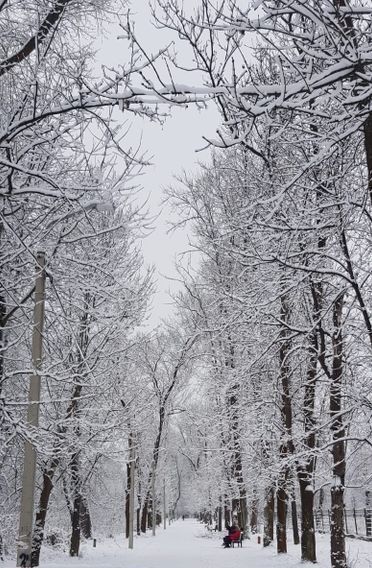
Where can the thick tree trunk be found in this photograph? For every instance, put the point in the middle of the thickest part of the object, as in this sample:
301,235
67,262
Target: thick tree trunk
286,446
254,516
281,522
338,556
77,506
239,507
296,536
227,511
219,518
40,518
75,526
85,519
308,543
305,471
150,519
155,460
144,515
73,412
268,535
80,517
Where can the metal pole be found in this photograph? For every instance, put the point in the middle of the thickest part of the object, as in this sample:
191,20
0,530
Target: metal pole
131,493
153,503
24,545
164,508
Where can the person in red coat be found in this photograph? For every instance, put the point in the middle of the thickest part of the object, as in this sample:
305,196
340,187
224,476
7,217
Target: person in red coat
234,535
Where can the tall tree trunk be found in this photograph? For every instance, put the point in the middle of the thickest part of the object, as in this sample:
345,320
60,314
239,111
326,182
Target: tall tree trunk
286,446
85,519
338,556
219,519
254,512
296,536
139,501
75,527
144,516
239,504
127,499
40,518
305,470
308,543
281,521
138,520
76,506
76,481
146,506
227,511
268,535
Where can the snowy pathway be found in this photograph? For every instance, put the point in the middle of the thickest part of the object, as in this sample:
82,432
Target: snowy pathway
186,544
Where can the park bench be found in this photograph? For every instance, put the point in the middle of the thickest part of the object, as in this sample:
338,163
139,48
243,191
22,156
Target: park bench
238,541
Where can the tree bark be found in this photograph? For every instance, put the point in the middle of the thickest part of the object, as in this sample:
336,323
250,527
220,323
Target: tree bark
296,536
240,507
281,523
138,519
139,500
40,518
239,504
305,470
268,535
144,516
85,519
127,493
76,481
76,506
308,543
254,512
219,518
227,513
338,556
286,446
75,526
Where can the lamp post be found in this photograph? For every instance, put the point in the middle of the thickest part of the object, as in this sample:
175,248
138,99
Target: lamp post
24,547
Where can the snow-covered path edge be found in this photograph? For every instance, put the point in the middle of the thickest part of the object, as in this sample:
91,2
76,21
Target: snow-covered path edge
187,544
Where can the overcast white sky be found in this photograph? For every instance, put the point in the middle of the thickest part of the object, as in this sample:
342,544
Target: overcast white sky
173,149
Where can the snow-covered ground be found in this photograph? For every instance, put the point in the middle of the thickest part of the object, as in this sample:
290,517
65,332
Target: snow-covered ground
187,544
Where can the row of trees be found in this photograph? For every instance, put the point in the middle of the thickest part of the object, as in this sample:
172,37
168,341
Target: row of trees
68,190
282,221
